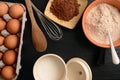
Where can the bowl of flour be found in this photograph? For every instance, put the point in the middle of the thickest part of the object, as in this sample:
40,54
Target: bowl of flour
101,17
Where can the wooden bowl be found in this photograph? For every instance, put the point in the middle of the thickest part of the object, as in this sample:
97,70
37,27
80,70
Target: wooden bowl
115,3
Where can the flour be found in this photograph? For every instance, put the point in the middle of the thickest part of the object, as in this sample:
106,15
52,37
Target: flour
101,19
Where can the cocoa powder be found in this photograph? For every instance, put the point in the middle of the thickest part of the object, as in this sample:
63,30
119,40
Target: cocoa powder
65,9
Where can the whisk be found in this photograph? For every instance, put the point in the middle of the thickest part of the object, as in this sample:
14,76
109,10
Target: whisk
53,31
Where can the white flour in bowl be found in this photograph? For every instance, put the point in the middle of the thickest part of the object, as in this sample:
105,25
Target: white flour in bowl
101,19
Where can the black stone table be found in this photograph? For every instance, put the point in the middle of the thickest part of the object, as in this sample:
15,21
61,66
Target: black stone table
73,44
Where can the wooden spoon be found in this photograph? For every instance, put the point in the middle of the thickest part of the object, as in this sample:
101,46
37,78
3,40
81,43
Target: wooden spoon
38,38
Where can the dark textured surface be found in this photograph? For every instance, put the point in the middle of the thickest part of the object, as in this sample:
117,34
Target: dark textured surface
73,44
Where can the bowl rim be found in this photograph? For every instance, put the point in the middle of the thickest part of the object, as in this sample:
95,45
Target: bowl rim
93,4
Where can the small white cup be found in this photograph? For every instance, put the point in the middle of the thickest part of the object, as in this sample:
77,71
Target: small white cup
78,69
49,67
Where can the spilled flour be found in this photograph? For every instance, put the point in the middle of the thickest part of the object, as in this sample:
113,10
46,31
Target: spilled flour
101,19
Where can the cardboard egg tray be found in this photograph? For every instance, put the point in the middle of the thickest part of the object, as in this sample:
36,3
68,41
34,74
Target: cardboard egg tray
4,33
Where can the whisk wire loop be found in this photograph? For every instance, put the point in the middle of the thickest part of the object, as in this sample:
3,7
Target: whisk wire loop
53,31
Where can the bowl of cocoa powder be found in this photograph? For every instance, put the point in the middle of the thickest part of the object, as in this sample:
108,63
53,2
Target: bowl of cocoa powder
100,17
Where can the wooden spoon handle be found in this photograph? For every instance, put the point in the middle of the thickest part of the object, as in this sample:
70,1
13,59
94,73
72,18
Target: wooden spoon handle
38,38
30,11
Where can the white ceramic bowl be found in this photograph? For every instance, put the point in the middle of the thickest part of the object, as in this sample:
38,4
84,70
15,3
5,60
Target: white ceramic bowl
78,69
49,67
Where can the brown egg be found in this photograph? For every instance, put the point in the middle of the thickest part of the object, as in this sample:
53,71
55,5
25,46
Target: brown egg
11,41
2,25
8,72
14,26
10,57
1,55
16,11
3,8
1,40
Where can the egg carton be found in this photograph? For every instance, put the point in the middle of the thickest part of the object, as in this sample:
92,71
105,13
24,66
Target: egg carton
5,33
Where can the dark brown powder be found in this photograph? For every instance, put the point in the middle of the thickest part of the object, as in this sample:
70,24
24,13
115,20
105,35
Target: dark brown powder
65,9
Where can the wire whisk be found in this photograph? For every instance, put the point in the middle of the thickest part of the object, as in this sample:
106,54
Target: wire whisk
53,31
